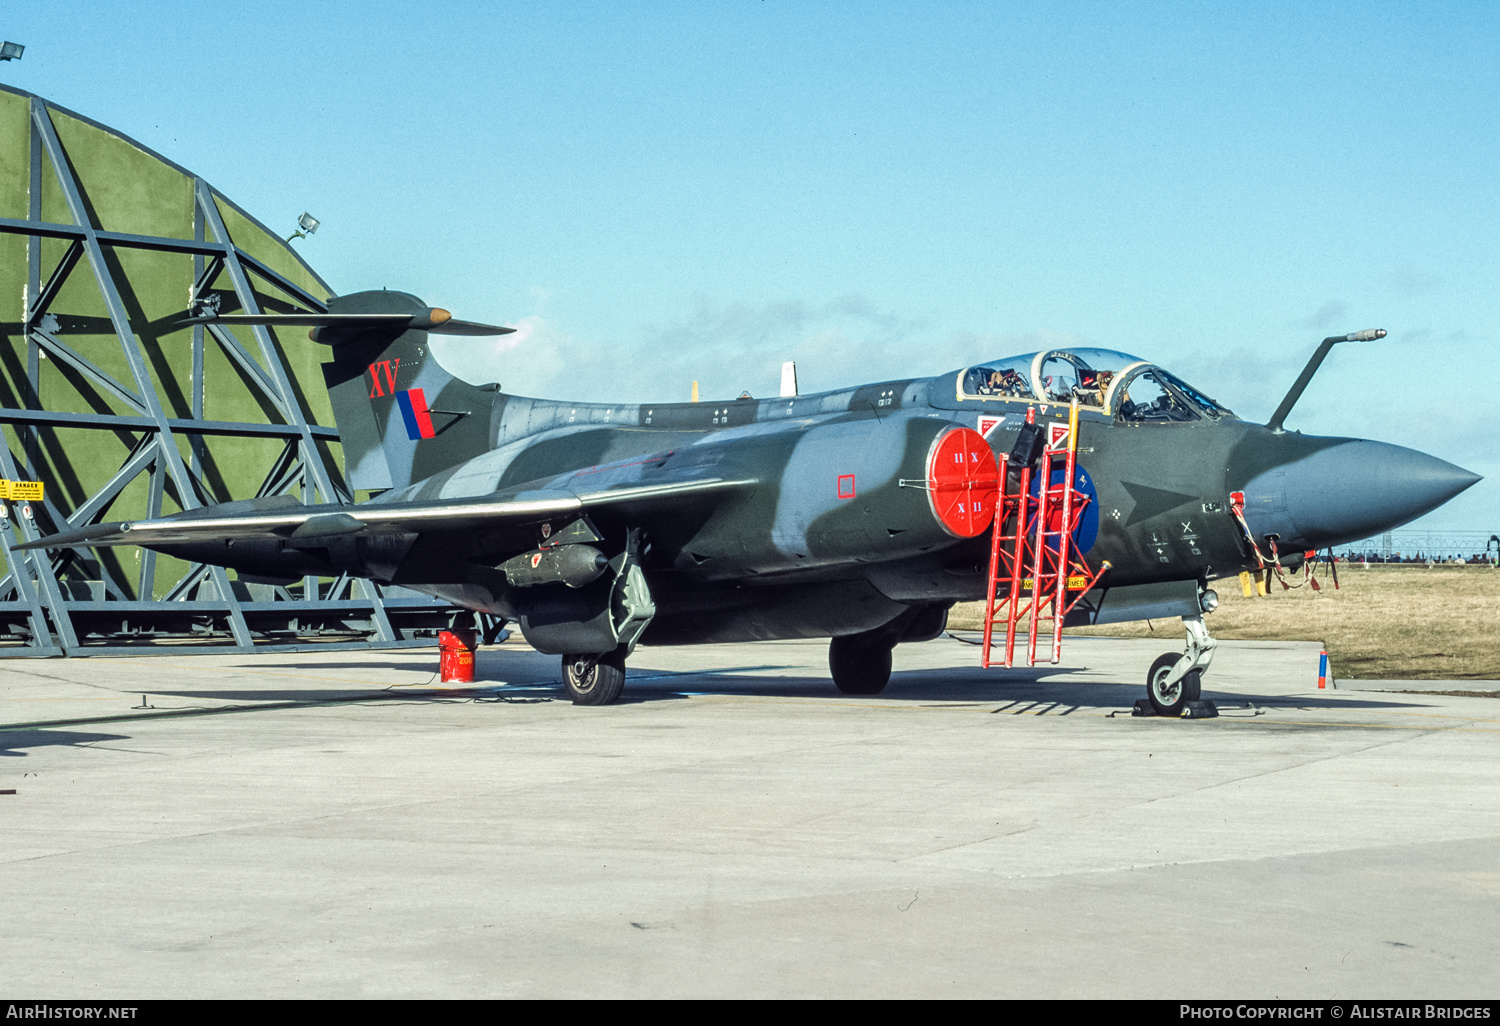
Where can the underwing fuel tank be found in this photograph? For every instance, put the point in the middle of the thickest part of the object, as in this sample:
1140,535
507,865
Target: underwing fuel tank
572,565
1346,491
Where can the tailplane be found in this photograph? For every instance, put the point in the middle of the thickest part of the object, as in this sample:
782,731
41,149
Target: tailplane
401,416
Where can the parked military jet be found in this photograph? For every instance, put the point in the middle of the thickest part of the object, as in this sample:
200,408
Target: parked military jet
598,527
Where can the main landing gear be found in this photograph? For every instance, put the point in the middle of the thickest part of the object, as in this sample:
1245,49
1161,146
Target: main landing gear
1175,682
594,679
861,663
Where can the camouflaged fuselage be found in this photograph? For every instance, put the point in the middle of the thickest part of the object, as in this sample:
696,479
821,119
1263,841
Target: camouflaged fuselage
838,527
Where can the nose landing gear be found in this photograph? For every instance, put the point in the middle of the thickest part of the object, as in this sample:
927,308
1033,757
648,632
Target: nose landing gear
1174,684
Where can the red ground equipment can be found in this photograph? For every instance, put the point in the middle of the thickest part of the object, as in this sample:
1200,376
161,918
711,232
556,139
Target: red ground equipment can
456,656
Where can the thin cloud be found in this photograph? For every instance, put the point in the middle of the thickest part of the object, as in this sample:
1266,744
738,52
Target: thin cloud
1325,316
728,348
1410,282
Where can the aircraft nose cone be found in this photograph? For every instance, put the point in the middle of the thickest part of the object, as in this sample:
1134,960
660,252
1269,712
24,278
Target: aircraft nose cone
1348,492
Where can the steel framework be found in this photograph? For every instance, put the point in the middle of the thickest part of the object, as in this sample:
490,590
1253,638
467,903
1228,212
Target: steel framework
76,602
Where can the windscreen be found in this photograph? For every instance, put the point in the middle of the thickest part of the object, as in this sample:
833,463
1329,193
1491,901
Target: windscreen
1148,397
1197,398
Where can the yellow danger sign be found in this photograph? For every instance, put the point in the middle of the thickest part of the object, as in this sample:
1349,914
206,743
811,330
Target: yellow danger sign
21,491
1075,583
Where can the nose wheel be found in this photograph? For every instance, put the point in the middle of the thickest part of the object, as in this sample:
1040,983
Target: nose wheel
1169,697
593,679
1174,685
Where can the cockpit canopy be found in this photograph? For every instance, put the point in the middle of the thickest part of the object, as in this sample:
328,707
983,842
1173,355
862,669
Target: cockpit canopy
1101,379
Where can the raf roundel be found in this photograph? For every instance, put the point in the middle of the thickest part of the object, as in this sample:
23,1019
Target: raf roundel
963,482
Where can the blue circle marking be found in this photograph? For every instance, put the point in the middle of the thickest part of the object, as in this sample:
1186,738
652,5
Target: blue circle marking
1087,531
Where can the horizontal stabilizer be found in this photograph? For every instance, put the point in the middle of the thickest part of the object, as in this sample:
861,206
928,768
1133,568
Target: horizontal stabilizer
437,321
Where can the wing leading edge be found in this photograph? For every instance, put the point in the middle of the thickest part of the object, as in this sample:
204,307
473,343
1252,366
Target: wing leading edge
290,520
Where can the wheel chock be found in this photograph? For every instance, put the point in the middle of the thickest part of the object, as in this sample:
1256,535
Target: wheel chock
1198,710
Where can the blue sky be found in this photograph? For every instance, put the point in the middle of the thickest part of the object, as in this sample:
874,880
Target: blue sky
658,193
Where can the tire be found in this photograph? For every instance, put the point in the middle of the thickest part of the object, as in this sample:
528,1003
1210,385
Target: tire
1170,701
860,665
593,680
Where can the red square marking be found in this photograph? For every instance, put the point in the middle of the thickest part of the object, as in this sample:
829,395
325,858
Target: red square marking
846,486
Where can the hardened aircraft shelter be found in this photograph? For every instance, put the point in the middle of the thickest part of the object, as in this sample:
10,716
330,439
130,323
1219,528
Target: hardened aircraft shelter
122,412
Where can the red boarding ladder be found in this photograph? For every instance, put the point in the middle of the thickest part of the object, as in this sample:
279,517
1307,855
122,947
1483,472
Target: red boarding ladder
1033,565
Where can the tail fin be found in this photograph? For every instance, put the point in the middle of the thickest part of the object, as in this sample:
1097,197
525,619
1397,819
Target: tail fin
401,416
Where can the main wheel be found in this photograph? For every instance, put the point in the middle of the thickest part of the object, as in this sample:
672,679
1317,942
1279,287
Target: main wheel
593,679
1166,699
860,665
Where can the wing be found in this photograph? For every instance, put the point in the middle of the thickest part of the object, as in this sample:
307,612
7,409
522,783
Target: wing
284,517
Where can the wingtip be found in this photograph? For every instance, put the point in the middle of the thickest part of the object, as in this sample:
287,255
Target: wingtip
457,327
98,534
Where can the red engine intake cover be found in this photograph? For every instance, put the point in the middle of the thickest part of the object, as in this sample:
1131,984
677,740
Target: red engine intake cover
963,482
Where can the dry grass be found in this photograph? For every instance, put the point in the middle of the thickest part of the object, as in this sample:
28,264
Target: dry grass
1384,623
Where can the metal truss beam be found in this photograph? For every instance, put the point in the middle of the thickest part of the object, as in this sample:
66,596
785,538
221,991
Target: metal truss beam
39,603
49,291
160,244
241,429
65,354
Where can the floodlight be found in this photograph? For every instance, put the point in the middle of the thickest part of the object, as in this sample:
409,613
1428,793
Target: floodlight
306,225
11,51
